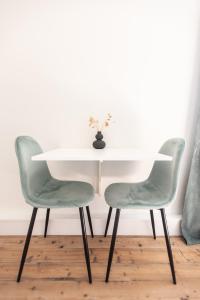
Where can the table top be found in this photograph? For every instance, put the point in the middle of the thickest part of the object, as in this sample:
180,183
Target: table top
107,154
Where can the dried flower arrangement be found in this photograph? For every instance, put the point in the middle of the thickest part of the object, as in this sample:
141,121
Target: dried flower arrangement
94,123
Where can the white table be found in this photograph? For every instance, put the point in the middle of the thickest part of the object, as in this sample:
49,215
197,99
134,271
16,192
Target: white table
100,156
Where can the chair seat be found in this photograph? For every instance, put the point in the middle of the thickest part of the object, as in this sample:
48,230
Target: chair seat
56,193
135,195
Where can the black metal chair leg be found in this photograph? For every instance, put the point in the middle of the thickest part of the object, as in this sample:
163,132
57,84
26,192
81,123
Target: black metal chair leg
46,222
89,221
108,221
167,239
26,245
112,245
85,244
153,224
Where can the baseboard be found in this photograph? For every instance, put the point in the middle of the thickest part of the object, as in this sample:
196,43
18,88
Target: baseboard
59,224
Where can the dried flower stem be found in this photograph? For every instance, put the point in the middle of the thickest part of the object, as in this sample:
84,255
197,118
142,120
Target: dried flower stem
94,123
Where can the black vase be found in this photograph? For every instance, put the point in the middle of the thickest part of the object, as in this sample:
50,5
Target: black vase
99,144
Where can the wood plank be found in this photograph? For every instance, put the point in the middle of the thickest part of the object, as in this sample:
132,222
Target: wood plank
55,269
98,242
97,291
122,255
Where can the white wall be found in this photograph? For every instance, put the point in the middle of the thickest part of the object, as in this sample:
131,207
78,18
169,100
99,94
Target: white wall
62,61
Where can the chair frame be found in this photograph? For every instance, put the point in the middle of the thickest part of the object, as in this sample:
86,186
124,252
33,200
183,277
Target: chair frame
114,235
84,236
109,216
88,215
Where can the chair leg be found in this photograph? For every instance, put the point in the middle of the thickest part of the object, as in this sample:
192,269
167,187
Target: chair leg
108,221
112,245
46,222
85,244
153,224
89,221
167,239
26,245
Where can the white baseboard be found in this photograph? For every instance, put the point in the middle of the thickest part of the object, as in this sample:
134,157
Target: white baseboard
59,224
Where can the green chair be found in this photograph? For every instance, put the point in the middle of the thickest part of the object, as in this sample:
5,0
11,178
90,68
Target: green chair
41,190
154,193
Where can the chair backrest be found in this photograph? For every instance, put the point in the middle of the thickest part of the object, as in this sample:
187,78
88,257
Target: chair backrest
33,174
164,174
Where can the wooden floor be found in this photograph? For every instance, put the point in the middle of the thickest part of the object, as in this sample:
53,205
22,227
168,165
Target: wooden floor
55,269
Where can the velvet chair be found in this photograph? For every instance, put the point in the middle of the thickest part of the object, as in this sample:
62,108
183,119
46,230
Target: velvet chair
41,190
154,193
